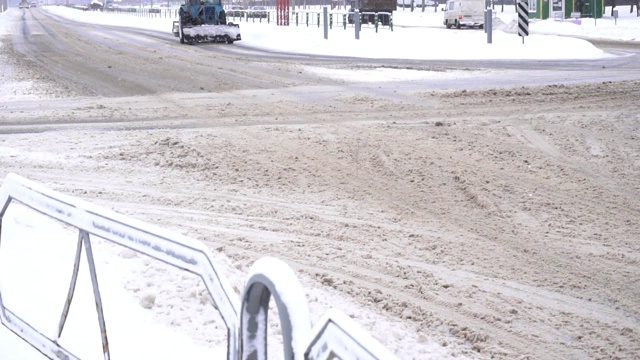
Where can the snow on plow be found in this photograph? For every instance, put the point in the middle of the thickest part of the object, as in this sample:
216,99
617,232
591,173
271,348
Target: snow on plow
202,33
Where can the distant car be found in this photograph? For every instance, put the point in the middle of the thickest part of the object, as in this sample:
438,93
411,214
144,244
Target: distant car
236,11
416,3
257,12
24,5
33,4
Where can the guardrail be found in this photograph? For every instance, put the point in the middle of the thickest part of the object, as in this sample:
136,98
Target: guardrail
165,13
297,17
334,336
314,18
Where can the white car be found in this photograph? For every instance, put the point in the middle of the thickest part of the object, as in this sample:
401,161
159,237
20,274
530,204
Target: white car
257,12
235,11
416,3
24,5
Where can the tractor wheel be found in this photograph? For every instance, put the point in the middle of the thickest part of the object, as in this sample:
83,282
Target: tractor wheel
180,32
446,23
457,24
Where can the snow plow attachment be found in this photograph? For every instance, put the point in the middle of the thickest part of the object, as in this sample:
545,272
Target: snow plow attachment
204,20
191,34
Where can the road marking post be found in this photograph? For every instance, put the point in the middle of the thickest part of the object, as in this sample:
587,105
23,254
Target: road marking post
523,19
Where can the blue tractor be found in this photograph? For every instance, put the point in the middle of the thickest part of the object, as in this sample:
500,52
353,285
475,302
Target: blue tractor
204,20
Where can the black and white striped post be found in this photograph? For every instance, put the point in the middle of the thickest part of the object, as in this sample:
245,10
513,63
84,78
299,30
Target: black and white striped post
523,19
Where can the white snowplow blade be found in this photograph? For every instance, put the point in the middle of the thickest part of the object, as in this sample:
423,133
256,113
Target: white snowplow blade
211,31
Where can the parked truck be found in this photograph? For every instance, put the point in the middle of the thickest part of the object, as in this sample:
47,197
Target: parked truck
368,8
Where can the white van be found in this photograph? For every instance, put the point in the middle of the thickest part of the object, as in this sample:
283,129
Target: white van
468,13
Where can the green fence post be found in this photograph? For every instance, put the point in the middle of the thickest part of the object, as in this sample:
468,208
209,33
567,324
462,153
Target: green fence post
318,19
330,21
296,18
307,19
344,21
391,22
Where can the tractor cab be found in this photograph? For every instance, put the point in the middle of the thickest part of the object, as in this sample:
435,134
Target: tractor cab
209,12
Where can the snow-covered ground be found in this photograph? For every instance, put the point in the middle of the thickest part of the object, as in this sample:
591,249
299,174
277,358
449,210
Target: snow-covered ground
39,252
417,35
